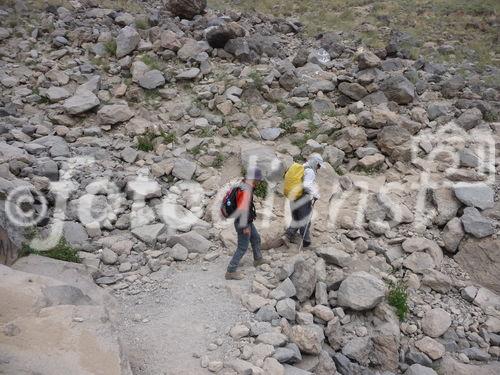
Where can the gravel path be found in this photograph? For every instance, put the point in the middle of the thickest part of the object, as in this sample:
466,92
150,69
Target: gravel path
178,315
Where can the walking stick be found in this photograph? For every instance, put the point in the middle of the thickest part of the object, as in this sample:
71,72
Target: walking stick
307,225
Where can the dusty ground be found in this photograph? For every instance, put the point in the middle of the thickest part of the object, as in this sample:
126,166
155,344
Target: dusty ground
186,310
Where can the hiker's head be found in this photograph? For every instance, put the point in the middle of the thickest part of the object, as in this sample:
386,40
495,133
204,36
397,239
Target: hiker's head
253,177
315,161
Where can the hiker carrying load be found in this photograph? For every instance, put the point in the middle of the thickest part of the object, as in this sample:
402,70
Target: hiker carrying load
238,204
301,189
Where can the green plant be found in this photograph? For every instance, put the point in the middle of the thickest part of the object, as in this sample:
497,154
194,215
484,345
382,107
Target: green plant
110,46
287,126
218,161
490,116
141,24
206,132
196,150
61,251
168,137
398,298
257,79
260,190
152,62
145,142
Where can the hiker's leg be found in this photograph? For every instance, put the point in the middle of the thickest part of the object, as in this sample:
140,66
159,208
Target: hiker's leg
292,229
241,249
255,241
306,215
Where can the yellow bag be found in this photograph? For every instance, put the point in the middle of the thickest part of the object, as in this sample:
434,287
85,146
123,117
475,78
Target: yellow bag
294,177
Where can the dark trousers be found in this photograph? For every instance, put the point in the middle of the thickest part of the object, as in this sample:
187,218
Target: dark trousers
243,242
301,219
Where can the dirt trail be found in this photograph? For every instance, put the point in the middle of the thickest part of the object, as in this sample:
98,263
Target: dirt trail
185,310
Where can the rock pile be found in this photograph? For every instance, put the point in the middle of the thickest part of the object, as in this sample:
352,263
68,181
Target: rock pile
119,129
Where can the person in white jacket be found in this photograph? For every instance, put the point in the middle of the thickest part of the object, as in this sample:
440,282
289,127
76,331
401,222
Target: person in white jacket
301,208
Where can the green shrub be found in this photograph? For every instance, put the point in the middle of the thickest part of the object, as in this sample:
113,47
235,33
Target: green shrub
398,298
141,24
110,47
218,161
62,251
261,189
145,142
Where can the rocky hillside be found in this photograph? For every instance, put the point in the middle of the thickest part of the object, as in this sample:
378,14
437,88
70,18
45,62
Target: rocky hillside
120,129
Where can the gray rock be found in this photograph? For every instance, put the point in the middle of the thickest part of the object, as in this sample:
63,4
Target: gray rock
193,241
420,370
435,322
149,233
437,281
114,114
270,134
326,365
358,349
319,57
57,295
446,204
438,109
470,118
272,338
361,291
184,169
152,79
218,36
476,224
289,354
469,293
179,252
368,59
419,262
353,90
75,234
304,279
477,195
47,168
333,156
452,234
54,93
267,314
334,256
291,370
286,308
188,74
393,142
82,101
476,354
321,293
109,256
128,39
309,338
143,189
481,260
450,366
129,154
398,89
285,290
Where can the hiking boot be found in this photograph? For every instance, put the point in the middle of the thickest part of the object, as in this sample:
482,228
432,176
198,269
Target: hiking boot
258,262
306,244
234,276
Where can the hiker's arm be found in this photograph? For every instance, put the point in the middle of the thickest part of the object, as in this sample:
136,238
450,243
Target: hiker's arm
310,186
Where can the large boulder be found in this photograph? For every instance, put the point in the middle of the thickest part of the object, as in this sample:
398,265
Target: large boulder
481,259
393,141
37,311
218,36
450,366
309,338
82,101
361,291
435,322
453,233
476,224
186,8
127,40
114,114
304,279
477,195
193,241
398,89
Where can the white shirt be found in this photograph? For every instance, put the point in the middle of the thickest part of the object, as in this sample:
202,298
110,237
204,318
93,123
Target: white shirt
309,184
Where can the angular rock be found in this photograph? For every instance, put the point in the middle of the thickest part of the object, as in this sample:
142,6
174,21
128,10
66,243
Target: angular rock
179,252
184,169
149,233
114,114
358,349
82,101
452,234
353,90
470,118
420,370
334,256
361,291
127,40
477,195
193,241
481,260
308,338
152,79
450,366
476,224
431,347
218,36
398,89
187,9
368,59
446,204
286,308
304,279
285,290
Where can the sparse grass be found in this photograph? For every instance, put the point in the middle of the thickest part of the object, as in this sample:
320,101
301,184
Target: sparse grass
206,132
141,24
260,190
491,116
62,251
110,47
218,161
145,142
196,150
257,79
469,22
287,126
398,298
168,137
152,62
